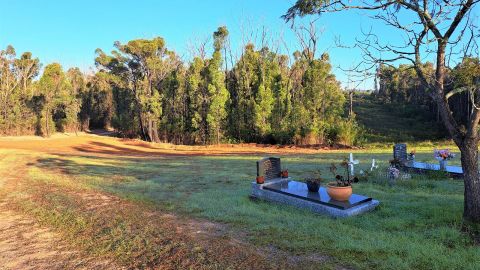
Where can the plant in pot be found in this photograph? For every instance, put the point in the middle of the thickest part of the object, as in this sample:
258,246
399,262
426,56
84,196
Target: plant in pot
313,182
341,189
443,156
260,179
396,163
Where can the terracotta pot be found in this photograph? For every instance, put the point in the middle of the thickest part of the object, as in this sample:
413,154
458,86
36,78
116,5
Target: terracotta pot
284,174
260,180
339,193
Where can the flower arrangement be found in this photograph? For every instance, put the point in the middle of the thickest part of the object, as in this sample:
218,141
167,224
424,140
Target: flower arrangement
396,163
313,182
411,156
393,173
443,154
343,181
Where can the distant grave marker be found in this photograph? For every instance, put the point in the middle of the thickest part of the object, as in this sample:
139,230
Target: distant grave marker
400,152
351,163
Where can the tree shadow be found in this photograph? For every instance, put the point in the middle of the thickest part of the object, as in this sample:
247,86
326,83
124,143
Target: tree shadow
95,147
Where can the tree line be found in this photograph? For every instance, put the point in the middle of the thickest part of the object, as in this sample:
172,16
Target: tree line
144,89
402,85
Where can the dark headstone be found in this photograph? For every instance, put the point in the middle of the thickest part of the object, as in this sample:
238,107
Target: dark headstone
400,152
269,167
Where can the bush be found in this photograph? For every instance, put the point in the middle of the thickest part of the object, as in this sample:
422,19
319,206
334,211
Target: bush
347,132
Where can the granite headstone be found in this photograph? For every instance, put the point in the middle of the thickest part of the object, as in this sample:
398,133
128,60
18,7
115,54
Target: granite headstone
269,167
400,152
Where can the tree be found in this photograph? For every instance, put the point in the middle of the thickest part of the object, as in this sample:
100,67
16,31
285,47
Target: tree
195,100
217,91
448,26
142,65
27,68
54,87
16,80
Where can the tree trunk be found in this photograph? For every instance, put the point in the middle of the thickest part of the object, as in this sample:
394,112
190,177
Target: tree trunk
150,130
155,137
142,128
471,211
46,123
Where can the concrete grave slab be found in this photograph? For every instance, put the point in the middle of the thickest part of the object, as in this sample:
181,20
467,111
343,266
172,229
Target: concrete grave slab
296,194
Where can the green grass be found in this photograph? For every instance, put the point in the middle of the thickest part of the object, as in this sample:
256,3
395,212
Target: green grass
396,122
417,225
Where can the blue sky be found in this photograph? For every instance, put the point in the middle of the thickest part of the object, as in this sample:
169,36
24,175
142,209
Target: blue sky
68,32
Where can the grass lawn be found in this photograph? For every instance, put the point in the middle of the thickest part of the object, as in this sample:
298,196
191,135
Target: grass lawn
417,225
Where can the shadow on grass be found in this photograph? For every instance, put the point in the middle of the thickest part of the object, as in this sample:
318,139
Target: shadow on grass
147,150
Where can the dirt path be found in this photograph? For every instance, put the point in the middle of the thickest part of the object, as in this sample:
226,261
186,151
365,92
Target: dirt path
26,245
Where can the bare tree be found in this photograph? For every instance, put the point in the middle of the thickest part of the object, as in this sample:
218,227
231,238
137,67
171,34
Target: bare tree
198,47
308,37
443,30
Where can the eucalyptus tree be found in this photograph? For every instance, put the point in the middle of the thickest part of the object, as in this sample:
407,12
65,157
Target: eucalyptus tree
16,78
54,89
142,65
8,85
445,29
27,68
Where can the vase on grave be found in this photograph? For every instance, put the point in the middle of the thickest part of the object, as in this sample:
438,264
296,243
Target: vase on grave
313,185
339,193
443,164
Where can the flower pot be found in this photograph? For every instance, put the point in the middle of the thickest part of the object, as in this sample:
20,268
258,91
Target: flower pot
443,165
284,174
313,186
260,180
339,193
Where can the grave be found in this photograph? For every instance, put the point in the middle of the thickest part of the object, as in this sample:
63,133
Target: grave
422,167
411,166
294,193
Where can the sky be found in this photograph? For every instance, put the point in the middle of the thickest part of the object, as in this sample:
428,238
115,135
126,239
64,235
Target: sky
69,32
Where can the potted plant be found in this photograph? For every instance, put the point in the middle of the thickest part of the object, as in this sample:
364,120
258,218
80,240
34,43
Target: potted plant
260,179
313,182
341,189
284,173
443,156
411,156
396,163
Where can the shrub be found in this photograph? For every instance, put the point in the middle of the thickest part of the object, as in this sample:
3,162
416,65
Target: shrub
347,132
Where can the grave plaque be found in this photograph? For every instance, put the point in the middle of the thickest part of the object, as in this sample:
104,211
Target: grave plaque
269,167
400,152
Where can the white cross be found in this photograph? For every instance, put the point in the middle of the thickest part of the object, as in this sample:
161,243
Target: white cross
351,163
374,165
